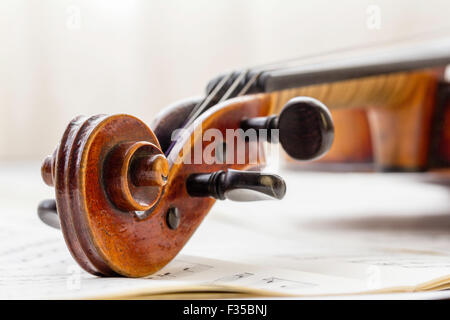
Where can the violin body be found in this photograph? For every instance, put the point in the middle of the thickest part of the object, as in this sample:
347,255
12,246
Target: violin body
417,133
387,120
129,196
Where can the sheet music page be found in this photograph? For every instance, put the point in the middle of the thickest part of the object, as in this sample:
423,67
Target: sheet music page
332,234
386,230
43,268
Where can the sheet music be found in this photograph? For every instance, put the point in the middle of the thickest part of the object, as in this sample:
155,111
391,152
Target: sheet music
385,237
43,268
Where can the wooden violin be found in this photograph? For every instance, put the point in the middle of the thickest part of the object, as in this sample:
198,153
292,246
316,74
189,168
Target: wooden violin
128,197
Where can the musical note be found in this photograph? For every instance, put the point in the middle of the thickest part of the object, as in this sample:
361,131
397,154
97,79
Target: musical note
180,268
274,282
234,277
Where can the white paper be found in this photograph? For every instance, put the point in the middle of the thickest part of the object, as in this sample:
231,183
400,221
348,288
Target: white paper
333,234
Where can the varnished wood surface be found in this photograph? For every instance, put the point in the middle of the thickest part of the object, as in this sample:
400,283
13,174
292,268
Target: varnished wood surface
352,138
401,135
444,139
386,91
441,128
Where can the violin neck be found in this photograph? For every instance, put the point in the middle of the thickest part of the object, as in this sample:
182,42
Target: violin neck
424,56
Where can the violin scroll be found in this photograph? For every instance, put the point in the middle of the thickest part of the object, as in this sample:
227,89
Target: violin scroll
126,208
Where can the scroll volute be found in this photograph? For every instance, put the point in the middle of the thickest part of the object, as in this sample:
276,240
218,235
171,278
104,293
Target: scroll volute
134,174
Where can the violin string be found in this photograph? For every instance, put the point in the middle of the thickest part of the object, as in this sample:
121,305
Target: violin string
288,62
249,83
198,109
259,69
234,85
203,105
256,72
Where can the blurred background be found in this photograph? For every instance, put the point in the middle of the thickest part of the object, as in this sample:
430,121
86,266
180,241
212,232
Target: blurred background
62,58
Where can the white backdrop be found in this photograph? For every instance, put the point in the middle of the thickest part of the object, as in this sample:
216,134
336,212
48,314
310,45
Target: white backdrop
61,58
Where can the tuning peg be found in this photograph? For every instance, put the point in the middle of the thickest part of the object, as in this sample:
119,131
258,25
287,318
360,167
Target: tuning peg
134,175
236,185
48,213
305,127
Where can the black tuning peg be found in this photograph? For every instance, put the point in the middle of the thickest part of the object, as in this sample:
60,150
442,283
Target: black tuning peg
48,214
236,185
305,127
